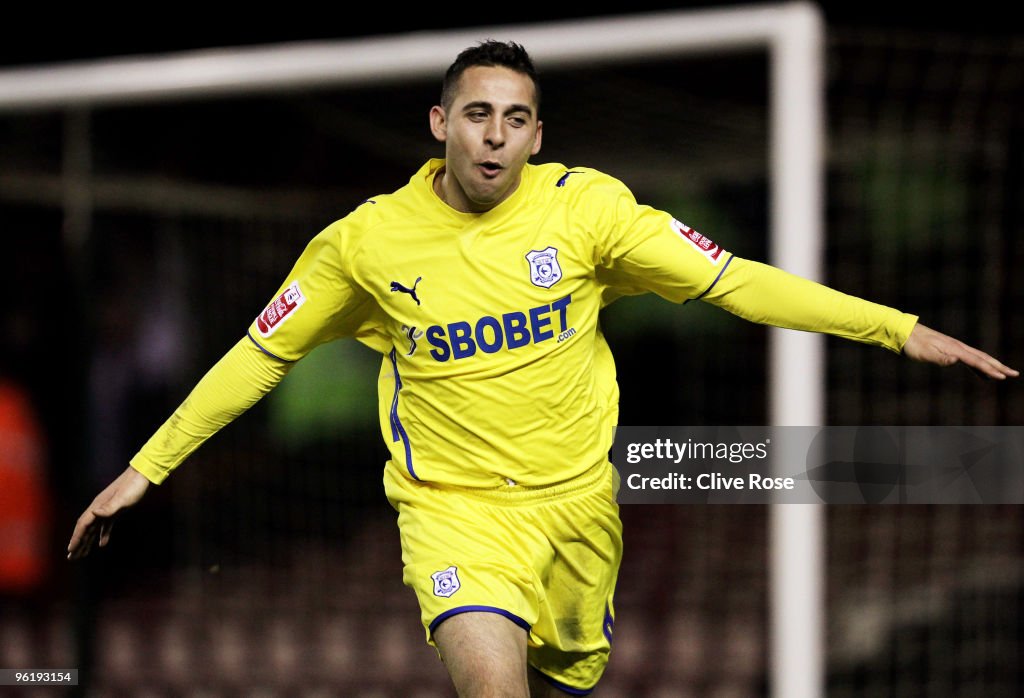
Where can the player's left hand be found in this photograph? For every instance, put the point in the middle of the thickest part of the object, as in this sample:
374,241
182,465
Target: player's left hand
925,344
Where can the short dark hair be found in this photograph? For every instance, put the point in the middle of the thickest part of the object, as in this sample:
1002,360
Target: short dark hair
490,53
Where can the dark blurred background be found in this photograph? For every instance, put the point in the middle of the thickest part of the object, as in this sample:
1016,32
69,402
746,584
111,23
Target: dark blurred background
83,32
145,238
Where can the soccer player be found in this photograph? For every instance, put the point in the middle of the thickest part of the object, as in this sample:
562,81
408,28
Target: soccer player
480,282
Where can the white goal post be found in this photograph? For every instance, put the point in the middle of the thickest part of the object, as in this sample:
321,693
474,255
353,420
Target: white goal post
793,36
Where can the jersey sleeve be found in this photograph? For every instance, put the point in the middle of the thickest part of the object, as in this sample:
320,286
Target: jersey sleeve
642,249
235,383
767,295
318,302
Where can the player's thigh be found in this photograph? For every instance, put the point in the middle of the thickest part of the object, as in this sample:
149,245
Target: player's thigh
485,654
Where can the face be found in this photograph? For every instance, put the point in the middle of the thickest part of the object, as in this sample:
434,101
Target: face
489,132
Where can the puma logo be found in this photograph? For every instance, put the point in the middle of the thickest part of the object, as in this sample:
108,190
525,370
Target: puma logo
395,286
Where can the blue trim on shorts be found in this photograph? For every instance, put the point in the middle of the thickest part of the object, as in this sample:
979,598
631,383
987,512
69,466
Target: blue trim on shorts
260,347
485,609
708,289
562,687
397,430
609,623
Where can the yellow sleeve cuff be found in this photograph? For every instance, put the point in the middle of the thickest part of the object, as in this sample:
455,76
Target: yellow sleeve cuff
905,326
149,470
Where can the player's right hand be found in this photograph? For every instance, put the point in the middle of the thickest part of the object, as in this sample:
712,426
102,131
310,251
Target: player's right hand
97,520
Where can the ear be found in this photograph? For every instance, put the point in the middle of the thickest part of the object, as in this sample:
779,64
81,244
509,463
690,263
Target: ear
439,123
536,138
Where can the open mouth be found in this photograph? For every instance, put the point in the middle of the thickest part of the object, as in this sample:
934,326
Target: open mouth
489,168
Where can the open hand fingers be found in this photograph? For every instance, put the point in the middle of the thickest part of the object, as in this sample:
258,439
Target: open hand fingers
105,526
83,537
985,365
90,529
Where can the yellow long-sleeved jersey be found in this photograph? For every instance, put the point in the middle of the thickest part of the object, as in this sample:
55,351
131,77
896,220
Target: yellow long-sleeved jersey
494,366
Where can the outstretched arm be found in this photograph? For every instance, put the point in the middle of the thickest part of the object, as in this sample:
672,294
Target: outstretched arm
925,344
317,303
771,296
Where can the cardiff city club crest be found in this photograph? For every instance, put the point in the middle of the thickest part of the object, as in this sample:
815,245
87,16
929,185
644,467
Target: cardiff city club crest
544,269
446,582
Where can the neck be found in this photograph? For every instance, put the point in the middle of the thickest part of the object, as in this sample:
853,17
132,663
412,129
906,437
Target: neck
438,184
458,203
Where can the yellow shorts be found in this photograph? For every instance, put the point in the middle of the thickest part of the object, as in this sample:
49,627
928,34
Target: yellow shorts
546,558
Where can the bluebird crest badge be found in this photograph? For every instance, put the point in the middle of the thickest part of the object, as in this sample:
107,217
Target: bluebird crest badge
544,269
446,582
